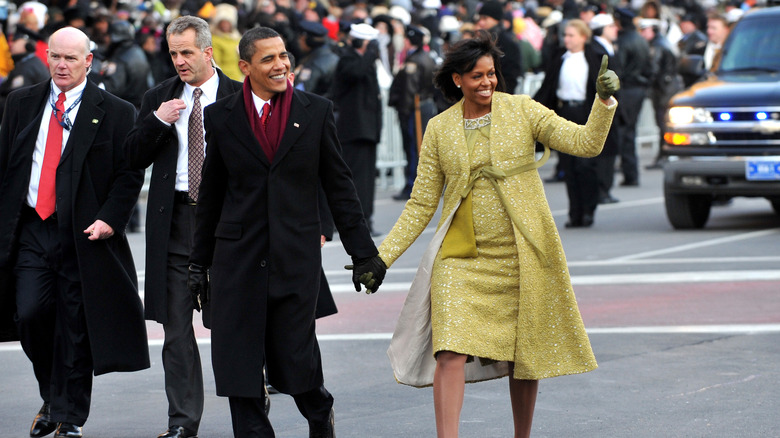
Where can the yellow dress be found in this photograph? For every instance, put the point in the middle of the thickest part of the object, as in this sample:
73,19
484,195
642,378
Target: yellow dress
475,301
514,301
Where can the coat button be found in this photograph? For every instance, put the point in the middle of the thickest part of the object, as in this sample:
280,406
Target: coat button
165,176
262,264
162,209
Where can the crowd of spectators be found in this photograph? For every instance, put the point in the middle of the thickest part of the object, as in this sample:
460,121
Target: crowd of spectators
131,54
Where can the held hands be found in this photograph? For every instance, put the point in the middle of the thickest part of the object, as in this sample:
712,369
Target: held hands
198,284
607,82
369,272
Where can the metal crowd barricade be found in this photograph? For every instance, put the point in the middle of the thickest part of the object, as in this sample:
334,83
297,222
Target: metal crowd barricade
390,160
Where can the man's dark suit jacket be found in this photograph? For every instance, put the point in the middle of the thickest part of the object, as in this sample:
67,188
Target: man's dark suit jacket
93,182
153,142
259,231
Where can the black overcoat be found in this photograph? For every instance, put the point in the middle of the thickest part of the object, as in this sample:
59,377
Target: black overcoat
357,99
152,142
102,187
258,228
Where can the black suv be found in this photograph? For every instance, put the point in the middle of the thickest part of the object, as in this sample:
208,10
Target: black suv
723,134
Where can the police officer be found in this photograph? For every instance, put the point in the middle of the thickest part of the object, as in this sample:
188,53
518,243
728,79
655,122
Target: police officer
315,71
412,92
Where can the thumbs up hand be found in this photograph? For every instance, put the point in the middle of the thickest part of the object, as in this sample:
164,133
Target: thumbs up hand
607,82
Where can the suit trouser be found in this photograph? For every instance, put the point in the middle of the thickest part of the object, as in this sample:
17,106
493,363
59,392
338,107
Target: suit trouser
250,421
580,173
605,173
631,99
409,138
50,319
360,157
180,354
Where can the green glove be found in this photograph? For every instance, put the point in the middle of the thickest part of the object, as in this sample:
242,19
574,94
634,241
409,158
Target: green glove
607,82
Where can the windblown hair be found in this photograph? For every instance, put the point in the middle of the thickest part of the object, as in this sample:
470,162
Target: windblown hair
199,25
461,59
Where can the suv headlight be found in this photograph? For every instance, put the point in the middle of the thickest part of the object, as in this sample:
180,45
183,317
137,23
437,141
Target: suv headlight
682,115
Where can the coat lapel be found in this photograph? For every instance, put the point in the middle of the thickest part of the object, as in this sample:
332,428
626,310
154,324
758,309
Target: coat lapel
86,125
460,149
237,121
31,110
295,124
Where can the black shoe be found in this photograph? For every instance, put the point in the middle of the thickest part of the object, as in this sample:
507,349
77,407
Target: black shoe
585,222
42,424
177,432
654,166
402,196
323,430
609,199
630,183
68,430
558,177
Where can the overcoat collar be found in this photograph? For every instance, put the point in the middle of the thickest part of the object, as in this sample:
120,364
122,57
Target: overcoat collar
223,89
296,125
85,126
454,117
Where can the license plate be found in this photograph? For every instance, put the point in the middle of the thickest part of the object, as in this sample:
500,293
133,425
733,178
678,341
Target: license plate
767,169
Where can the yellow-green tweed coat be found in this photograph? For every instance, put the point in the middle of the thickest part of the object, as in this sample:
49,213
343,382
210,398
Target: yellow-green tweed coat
550,336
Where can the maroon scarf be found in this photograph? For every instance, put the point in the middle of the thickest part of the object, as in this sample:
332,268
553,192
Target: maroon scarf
271,136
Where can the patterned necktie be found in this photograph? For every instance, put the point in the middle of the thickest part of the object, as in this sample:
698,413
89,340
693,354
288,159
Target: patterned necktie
266,113
196,154
46,202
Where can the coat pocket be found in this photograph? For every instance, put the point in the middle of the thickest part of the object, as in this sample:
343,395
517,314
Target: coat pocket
227,230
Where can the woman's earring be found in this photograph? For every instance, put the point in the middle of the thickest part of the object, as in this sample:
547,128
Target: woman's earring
458,86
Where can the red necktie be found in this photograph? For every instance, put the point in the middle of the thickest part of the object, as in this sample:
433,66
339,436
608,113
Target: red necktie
266,113
46,203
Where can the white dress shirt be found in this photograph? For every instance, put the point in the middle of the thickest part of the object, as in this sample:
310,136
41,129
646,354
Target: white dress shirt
207,97
71,96
573,79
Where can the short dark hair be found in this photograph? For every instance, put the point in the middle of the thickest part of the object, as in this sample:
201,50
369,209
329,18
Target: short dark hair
246,47
462,57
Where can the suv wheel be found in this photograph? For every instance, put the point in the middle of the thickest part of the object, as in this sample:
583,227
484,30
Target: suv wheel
687,212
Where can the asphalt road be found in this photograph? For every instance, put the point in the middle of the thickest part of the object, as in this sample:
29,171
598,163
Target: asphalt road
685,327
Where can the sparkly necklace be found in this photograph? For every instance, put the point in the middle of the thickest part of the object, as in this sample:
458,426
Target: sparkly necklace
477,123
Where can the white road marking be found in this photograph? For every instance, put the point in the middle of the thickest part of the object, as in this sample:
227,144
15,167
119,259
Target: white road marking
737,329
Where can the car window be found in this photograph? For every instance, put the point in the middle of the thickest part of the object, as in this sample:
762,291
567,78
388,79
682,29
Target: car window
755,44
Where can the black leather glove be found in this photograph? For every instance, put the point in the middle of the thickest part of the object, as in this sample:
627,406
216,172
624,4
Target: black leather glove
369,272
607,82
198,284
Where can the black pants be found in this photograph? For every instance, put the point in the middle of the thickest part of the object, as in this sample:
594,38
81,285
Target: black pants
409,138
631,99
250,420
50,320
582,184
180,354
